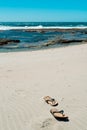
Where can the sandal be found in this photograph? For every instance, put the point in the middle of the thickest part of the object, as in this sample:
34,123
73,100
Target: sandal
50,101
58,114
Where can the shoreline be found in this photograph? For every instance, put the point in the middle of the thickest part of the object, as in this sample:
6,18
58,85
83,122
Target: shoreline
40,38
12,50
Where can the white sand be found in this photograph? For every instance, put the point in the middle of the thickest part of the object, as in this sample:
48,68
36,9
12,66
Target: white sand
26,77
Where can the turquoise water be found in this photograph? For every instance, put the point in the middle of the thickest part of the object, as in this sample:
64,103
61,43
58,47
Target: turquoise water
63,24
36,40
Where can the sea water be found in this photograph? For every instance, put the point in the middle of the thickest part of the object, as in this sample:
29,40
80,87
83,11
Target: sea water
35,40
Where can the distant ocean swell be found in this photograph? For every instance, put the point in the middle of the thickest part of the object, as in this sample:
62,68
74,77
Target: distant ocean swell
40,27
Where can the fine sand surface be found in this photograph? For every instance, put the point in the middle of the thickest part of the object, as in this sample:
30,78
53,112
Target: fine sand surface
26,77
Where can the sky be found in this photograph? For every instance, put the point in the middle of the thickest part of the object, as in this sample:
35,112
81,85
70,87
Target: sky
43,10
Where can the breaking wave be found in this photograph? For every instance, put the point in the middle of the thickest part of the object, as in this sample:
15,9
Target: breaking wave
40,27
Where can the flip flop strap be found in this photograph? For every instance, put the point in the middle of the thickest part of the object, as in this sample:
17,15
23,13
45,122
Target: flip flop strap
58,112
61,111
52,100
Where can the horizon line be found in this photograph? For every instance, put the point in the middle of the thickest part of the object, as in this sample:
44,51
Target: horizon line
46,21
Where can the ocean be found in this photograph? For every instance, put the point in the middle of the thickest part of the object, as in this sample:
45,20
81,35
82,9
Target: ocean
32,40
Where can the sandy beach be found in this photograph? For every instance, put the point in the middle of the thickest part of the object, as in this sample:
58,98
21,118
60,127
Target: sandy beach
26,77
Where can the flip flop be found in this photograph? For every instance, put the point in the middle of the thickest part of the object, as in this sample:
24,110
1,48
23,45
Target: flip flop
58,114
50,101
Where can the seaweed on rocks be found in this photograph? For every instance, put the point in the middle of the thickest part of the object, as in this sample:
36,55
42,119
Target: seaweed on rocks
4,41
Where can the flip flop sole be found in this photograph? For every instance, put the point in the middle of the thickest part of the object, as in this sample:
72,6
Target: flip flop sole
58,115
50,101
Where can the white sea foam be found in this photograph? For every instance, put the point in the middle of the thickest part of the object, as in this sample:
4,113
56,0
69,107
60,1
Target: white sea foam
40,27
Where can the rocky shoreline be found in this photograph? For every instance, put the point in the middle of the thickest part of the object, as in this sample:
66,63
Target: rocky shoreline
57,40
44,30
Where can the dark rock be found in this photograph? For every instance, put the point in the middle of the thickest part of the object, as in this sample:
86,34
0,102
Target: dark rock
42,30
53,42
64,41
85,32
4,41
69,41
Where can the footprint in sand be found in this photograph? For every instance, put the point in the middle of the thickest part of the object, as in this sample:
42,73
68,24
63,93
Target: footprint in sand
44,125
47,123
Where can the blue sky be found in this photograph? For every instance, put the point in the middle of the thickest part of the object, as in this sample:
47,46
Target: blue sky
43,10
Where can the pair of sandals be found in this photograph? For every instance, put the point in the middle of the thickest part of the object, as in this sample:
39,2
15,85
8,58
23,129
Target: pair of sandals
57,114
